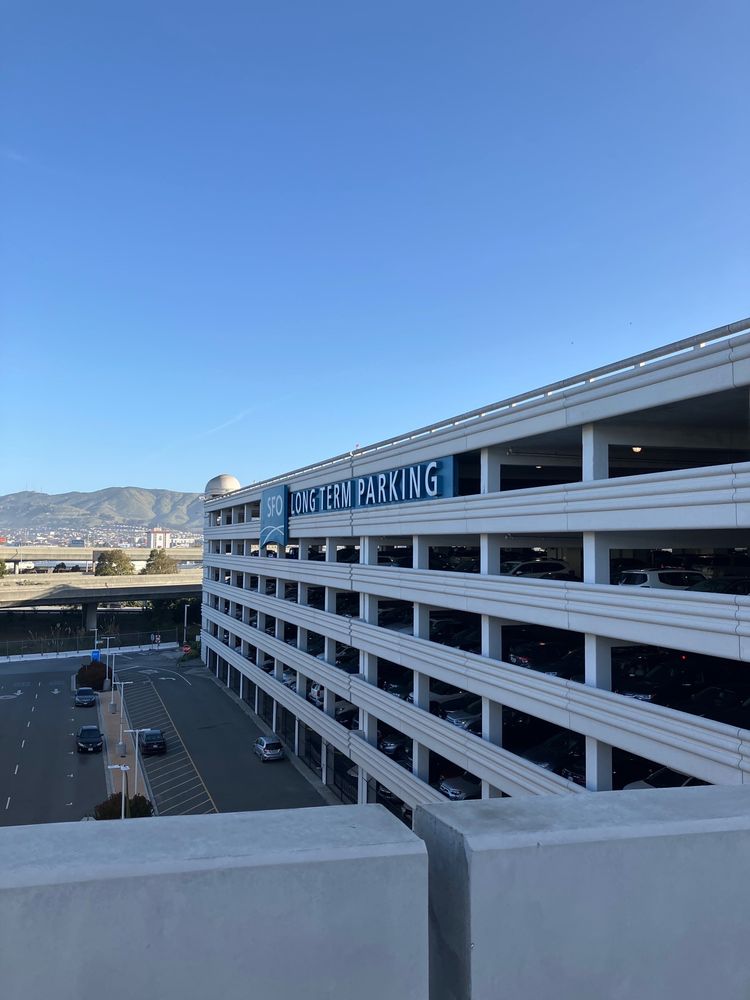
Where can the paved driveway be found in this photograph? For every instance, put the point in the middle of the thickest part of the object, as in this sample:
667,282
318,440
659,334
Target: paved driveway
209,765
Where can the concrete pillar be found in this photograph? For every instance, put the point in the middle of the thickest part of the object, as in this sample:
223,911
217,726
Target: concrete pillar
490,554
595,557
257,693
89,615
420,552
302,683
598,652
302,634
275,715
368,608
492,638
420,761
331,549
490,470
369,726
329,702
595,452
324,761
368,550
329,647
368,667
302,593
422,621
296,732
242,684
421,690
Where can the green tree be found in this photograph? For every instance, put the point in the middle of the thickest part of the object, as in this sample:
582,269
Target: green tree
114,562
159,562
2,568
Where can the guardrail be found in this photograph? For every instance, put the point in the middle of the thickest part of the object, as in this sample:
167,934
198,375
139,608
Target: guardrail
66,645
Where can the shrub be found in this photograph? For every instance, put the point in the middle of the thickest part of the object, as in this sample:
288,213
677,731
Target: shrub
135,807
92,675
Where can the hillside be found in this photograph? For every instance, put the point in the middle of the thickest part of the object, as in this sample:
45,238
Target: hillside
102,508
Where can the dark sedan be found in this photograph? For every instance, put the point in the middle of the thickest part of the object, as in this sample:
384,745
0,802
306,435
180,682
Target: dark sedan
89,739
85,697
151,741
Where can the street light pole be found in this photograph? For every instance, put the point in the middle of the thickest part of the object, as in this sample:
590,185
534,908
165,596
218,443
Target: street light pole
112,708
121,686
184,625
136,733
123,768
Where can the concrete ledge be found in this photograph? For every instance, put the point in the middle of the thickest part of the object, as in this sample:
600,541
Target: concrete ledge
634,896
323,902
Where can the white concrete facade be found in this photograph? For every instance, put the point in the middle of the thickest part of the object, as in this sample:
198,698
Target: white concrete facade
686,407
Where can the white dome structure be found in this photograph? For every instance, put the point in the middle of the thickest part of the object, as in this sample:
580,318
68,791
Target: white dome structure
220,485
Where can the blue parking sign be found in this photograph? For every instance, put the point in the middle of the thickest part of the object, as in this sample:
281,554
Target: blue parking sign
274,521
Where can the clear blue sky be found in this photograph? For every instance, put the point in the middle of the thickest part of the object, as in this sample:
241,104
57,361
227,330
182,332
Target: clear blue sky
240,237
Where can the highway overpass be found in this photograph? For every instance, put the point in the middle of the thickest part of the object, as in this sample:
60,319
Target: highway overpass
14,554
88,590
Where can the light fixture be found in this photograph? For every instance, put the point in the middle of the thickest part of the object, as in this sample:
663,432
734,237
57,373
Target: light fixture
637,449
538,466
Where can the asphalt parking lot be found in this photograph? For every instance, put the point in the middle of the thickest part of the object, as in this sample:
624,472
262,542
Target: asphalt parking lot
209,765
42,778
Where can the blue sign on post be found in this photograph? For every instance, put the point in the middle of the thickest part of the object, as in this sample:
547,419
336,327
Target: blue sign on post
95,656
273,516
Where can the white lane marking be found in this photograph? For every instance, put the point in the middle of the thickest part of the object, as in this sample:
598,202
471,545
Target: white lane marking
28,723
8,802
23,744
71,776
16,770
32,708
36,696
55,691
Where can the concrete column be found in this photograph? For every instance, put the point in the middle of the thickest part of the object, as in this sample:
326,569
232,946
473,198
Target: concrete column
89,614
490,554
598,652
492,638
296,732
230,668
595,557
490,470
369,726
420,761
422,621
329,702
302,593
329,648
302,638
304,548
275,715
331,549
595,452
368,666
242,684
368,550
255,706
368,608
422,690
420,552
302,683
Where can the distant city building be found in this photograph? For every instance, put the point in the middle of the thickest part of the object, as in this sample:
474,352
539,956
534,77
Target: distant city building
159,538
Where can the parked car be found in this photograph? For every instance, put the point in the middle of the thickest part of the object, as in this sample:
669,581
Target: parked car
661,579
268,748
465,715
720,704
399,688
464,786
392,743
664,777
89,739
670,679
85,697
151,741
547,568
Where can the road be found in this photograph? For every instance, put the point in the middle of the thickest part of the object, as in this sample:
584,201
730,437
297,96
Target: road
42,778
209,765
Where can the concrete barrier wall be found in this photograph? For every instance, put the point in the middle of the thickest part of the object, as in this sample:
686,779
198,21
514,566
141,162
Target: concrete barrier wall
311,902
614,896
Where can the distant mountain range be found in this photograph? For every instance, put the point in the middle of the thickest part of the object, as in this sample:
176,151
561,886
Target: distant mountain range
102,509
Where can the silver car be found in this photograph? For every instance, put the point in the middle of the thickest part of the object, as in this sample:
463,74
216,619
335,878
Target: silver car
268,748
